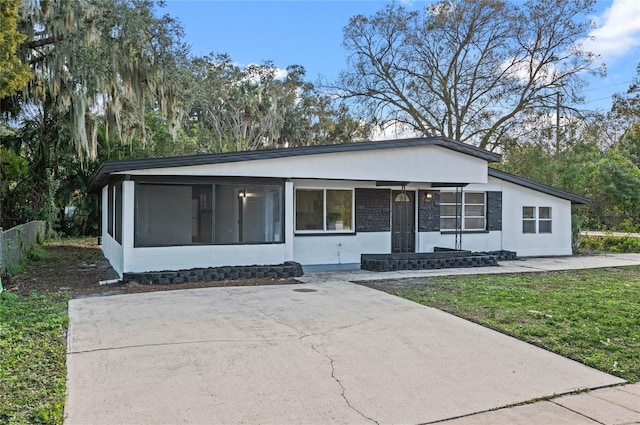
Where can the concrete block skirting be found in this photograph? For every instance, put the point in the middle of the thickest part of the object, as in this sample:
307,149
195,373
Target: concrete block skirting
279,271
501,255
432,260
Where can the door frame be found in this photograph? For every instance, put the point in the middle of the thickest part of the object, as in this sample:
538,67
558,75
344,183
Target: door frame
405,239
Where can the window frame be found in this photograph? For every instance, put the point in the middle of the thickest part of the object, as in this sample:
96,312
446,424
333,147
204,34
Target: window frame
117,215
536,219
463,215
236,183
533,219
114,211
324,230
110,209
548,219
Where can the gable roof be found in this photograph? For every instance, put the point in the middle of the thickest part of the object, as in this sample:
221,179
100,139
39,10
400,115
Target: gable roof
530,184
105,173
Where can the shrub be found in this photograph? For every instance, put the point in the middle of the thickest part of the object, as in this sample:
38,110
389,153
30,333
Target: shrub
609,243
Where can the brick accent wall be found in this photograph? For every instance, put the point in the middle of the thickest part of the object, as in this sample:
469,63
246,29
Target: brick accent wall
373,210
428,211
494,210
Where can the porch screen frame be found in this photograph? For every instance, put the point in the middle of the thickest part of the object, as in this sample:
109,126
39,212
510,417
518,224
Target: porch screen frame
278,231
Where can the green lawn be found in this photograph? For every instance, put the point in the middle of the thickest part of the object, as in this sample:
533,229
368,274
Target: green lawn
592,316
32,358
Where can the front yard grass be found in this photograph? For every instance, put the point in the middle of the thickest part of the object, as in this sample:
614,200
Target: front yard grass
32,358
592,316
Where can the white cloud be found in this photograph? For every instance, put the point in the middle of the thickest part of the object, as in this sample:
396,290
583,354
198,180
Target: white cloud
278,73
618,30
391,130
281,74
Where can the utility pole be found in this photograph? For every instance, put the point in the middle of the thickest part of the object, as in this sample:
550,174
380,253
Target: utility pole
557,123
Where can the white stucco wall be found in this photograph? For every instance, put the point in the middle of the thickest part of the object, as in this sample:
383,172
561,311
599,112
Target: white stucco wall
113,252
417,164
339,249
558,242
481,241
197,256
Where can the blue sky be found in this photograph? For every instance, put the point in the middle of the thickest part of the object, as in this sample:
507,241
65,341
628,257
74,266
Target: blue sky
309,33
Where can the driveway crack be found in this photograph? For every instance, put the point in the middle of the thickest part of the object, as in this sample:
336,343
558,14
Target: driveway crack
343,389
165,344
278,321
336,328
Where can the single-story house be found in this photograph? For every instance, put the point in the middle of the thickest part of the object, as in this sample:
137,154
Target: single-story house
323,205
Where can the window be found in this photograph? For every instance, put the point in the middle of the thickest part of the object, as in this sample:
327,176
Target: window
540,222
114,211
321,210
528,219
110,210
469,205
544,220
225,213
117,222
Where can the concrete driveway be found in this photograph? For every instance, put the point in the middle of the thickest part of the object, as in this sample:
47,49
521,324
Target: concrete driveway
320,353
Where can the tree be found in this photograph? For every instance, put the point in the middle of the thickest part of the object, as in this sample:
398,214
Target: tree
626,112
252,108
109,57
14,75
613,189
471,70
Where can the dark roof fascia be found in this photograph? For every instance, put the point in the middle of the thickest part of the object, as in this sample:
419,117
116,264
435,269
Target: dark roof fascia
530,184
102,176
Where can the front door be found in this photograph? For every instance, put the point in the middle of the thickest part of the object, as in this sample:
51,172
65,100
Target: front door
403,222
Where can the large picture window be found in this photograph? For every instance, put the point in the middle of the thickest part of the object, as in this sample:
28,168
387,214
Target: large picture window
184,214
470,206
324,210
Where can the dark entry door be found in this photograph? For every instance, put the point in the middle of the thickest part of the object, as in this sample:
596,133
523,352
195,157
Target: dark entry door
403,237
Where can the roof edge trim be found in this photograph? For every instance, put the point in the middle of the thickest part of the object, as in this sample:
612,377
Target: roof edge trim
530,184
103,174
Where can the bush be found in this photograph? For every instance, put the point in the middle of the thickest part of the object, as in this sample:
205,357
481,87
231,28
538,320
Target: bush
625,244
37,253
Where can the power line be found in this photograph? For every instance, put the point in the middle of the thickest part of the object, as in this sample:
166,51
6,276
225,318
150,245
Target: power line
604,87
596,100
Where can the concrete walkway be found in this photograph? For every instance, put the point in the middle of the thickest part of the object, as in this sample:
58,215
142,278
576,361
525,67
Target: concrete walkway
526,265
610,406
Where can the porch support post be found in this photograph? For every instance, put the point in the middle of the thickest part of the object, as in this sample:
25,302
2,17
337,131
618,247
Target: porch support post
288,221
128,189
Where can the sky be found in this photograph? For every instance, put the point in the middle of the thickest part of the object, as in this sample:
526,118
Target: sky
309,33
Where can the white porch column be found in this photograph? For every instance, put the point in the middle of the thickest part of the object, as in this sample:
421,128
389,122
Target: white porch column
288,221
128,208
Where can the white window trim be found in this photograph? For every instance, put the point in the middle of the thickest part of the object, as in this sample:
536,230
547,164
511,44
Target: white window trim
537,220
549,220
463,213
324,229
533,219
